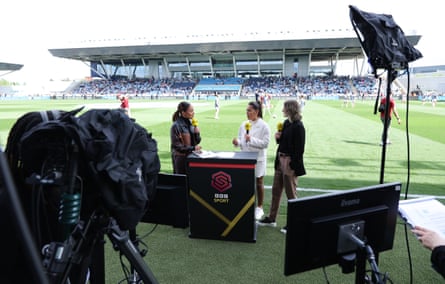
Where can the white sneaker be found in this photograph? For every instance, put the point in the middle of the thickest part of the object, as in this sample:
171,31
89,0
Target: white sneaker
258,213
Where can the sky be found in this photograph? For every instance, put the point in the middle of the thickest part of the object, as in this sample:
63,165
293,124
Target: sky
29,28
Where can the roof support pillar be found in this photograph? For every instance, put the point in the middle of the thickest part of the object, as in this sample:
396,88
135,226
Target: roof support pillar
235,71
258,62
211,66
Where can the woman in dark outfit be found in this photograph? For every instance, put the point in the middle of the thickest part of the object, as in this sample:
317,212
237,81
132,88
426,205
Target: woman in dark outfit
288,161
184,136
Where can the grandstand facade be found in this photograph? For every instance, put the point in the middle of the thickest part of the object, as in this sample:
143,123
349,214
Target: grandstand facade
221,56
427,79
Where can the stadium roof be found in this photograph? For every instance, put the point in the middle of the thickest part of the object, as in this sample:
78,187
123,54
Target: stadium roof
319,48
316,46
10,66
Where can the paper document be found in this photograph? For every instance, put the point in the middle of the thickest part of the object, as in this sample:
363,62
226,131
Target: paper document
204,154
426,212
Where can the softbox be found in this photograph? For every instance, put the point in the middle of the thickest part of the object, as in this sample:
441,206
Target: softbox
382,40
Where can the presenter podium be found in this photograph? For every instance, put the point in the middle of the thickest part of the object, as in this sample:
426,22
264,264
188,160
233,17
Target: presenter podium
222,196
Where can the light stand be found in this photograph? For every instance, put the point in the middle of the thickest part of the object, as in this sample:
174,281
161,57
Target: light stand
386,47
386,122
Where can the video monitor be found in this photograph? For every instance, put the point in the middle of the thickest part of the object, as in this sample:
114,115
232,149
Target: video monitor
318,227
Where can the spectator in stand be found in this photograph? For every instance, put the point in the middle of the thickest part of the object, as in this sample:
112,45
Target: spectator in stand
255,138
184,136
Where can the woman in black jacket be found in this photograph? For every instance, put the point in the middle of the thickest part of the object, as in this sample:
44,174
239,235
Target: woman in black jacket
289,163
184,136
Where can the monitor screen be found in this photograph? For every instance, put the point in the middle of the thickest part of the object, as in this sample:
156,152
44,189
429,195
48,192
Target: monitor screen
317,225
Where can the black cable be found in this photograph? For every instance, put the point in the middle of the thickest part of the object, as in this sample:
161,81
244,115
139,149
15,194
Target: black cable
149,233
125,269
378,96
408,152
410,262
408,173
325,275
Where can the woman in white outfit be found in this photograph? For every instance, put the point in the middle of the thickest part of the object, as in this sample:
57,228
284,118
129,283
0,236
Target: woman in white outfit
255,138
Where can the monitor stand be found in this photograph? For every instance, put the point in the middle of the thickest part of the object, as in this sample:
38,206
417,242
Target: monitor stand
351,237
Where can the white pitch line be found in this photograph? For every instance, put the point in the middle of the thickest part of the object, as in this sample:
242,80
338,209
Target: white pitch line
339,190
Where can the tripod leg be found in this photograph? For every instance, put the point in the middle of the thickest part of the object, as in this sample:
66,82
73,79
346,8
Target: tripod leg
122,241
98,263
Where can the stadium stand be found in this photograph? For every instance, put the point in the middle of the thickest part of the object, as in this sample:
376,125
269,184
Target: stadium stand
244,87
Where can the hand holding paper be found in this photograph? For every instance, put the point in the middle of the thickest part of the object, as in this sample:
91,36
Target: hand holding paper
429,238
426,212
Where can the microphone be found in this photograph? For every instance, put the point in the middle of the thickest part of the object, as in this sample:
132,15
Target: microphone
280,126
194,122
247,126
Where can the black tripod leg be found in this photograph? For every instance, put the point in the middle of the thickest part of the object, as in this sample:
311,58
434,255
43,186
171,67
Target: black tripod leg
122,241
98,264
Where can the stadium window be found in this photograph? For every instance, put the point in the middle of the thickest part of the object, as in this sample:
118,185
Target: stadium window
271,62
200,64
246,62
177,64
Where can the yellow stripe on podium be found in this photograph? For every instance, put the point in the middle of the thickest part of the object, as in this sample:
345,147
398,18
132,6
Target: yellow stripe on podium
208,206
230,224
239,216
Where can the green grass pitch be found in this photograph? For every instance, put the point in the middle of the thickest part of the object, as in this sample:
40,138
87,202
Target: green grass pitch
342,152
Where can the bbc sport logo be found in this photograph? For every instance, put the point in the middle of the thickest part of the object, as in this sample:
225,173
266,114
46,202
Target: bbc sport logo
221,181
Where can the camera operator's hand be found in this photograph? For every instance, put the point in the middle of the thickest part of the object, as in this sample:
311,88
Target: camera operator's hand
429,238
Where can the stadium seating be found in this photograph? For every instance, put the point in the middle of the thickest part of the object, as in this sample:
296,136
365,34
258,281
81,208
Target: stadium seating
276,86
